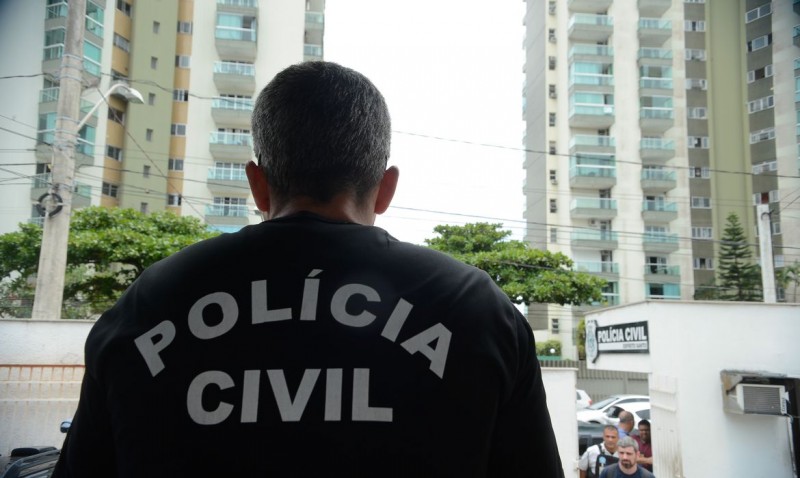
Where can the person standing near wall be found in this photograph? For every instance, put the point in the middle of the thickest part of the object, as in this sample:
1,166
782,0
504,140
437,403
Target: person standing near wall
596,457
645,448
626,467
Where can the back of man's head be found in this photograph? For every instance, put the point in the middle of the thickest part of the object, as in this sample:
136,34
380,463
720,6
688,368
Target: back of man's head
626,420
320,129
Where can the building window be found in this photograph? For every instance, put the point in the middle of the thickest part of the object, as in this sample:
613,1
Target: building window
776,228
122,43
143,208
175,164
761,104
551,7
553,177
759,12
759,42
697,54
698,112
156,27
702,233
765,134
182,61
151,99
114,153
177,129
552,121
148,134
704,263
553,205
124,7
759,73
174,199
110,190
700,142
117,76
145,171
699,173
766,166
696,84
551,35
699,202
552,147
185,27
694,25
554,326
554,235
551,62
153,62
180,95
116,115
766,197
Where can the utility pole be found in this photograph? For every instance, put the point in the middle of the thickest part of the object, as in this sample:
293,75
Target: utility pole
53,255
765,251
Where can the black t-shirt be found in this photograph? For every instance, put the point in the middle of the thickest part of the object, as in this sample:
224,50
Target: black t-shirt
306,347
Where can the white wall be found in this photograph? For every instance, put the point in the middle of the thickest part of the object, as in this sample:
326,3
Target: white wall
690,344
559,383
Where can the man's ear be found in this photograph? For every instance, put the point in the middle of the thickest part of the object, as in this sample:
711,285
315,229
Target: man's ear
386,189
259,185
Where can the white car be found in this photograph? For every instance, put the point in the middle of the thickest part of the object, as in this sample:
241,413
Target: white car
640,411
582,398
595,413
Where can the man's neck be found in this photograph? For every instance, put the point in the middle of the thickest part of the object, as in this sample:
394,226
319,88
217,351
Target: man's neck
343,208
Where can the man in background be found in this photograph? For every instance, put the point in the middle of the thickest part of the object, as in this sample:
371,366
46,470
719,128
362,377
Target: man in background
596,457
625,424
626,467
645,448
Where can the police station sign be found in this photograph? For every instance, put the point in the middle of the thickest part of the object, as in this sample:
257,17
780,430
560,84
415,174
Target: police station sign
630,337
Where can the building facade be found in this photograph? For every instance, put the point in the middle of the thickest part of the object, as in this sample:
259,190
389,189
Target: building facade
198,67
647,123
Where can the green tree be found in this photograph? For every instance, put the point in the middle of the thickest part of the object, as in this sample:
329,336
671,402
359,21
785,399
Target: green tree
789,276
107,250
739,277
526,275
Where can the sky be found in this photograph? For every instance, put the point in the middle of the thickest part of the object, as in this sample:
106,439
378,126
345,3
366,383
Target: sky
451,73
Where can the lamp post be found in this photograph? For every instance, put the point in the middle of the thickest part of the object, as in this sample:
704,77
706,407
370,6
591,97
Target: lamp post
49,294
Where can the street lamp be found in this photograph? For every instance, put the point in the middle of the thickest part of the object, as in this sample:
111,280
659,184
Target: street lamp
49,293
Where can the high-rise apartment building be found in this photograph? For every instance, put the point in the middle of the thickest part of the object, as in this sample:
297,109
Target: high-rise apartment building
648,122
198,66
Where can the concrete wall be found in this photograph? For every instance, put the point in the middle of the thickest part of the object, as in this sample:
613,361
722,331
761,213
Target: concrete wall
559,384
690,344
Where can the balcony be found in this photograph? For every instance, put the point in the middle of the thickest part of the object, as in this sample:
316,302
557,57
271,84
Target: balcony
796,35
653,8
659,211
654,32
589,5
594,239
662,273
595,82
312,52
593,177
655,86
656,119
661,291
589,52
658,180
593,208
234,112
315,27
660,242
244,7
236,43
231,146
227,214
235,78
594,116
608,270
589,28
227,180
656,150
655,56
84,149
48,102
81,195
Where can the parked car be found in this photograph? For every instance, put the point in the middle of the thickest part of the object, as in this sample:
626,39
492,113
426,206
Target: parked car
595,413
640,411
583,399
589,434
30,462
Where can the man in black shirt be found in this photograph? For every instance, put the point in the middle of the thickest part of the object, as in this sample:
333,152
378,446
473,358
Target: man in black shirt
313,344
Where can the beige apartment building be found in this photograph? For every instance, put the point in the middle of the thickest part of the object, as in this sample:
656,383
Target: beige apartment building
647,123
198,66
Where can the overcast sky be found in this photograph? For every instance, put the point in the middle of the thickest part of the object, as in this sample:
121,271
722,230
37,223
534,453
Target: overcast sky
448,69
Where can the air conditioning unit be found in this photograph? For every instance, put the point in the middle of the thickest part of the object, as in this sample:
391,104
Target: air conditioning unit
748,398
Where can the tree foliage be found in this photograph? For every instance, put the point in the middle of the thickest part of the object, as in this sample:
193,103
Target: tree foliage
107,250
789,276
526,275
739,277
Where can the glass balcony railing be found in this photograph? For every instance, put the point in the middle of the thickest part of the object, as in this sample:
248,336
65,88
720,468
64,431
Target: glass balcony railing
239,3
591,79
661,237
655,24
660,269
315,18
233,68
312,50
592,140
242,104
657,143
231,139
662,206
655,53
658,175
610,299
588,19
649,112
41,181
235,33
592,50
227,174
663,291
660,83
59,10
83,146
592,171
593,235
597,267
227,210
593,203
592,110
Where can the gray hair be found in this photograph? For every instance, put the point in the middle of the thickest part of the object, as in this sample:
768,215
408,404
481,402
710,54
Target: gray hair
625,417
628,442
320,129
